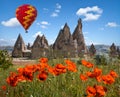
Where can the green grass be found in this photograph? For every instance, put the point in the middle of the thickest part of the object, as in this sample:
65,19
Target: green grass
64,85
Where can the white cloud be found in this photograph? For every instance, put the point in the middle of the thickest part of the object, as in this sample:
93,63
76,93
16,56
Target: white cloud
91,16
45,9
38,23
88,41
2,41
56,11
37,33
86,37
54,14
13,22
85,32
58,6
112,24
5,42
62,26
51,41
44,23
90,13
43,26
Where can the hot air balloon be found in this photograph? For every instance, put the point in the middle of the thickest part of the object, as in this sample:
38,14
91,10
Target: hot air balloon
26,14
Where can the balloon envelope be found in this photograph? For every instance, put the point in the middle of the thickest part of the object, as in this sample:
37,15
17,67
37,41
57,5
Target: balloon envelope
26,14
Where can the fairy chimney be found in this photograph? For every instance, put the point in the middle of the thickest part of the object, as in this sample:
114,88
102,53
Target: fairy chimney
64,44
19,47
78,35
40,47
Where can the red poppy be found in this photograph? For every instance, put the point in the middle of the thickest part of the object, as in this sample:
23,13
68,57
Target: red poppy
90,74
4,87
91,91
83,77
12,79
108,79
58,69
71,66
87,64
98,78
97,72
44,66
26,72
100,90
43,60
42,75
84,62
113,74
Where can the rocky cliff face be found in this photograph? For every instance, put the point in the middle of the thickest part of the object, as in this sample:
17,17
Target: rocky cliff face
78,35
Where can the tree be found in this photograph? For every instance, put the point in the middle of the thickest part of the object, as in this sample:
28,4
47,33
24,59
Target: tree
5,59
92,50
113,50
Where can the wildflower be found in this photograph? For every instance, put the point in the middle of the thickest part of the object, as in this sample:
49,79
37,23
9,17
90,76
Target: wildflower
87,64
84,62
44,66
51,70
97,72
98,78
58,69
4,87
26,72
113,74
100,90
83,77
71,66
43,60
42,76
108,79
90,91
12,79
32,68
90,74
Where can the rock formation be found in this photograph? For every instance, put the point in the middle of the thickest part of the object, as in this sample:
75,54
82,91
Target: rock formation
78,36
64,44
19,47
40,47
74,44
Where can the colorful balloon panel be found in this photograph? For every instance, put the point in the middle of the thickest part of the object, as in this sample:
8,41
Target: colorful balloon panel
26,14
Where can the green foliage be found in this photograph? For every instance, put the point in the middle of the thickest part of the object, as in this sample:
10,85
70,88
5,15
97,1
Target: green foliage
100,60
5,59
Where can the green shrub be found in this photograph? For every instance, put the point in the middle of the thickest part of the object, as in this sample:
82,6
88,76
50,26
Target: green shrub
100,60
5,59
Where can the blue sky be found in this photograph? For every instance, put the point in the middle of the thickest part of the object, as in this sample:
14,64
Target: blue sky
100,18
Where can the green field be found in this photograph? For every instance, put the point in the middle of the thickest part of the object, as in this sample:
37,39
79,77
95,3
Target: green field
66,84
